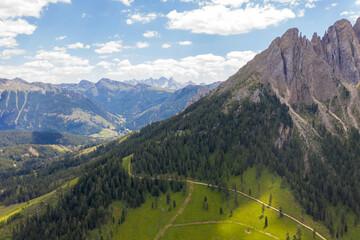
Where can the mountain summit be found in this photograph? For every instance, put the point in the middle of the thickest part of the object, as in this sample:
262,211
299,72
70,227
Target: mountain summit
320,75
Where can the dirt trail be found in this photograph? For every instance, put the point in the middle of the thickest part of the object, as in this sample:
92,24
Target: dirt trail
162,231
221,222
180,211
268,206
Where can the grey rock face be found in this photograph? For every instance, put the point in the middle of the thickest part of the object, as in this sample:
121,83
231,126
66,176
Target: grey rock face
323,71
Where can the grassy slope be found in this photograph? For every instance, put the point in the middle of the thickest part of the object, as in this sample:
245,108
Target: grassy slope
16,156
28,208
126,161
246,221
281,195
92,149
141,223
248,213
213,231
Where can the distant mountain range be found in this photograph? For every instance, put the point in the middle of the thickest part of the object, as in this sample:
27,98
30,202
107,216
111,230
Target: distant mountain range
46,107
139,103
162,82
106,108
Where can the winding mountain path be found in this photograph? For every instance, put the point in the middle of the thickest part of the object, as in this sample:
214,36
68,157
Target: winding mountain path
180,211
192,183
267,205
222,222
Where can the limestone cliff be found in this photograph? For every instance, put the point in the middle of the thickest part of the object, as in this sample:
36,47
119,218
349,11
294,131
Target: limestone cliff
318,79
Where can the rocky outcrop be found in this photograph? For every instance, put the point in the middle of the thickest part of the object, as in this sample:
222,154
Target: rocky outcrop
202,92
342,53
322,71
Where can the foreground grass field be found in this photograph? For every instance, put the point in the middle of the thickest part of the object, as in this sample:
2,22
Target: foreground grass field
141,223
203,213
239,217
243,222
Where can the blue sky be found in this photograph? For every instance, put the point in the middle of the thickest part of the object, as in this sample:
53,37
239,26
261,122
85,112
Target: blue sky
62,41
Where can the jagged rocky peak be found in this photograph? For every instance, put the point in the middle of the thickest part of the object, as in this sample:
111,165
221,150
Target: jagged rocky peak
300,69
324,71
341,46
293,69
357,28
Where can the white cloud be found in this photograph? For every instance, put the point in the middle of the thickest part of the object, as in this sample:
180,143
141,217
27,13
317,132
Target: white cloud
39,64
185,43
301,13
78,45
126,2
331,6
142,44
60,49
109,47
24,8
9,53
83,15
11,28
49,66
151,34
60,38
166,45
16,9
294,3
200,68
219,19
347,13
284,1
105,64
61,58
140,17
8,42
352,15
232,3
357,2
123,63
309,5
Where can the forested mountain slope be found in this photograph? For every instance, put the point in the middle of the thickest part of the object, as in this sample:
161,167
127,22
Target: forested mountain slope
279,112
